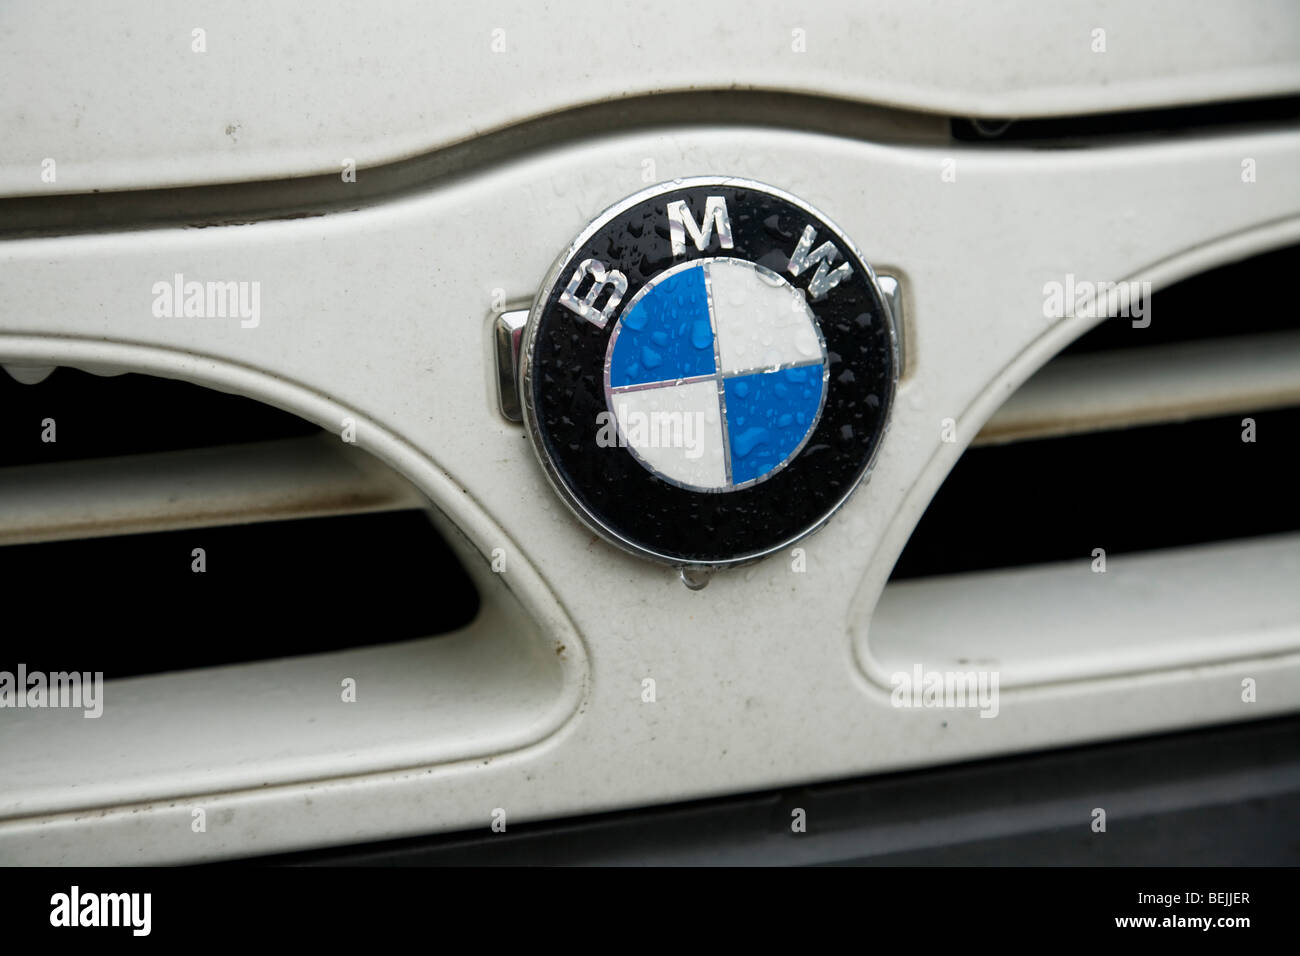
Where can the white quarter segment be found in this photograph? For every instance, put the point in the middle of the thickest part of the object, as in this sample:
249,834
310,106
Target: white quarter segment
761,320
676,430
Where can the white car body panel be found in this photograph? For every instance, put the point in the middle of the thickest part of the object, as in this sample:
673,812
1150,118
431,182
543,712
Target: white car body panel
286,90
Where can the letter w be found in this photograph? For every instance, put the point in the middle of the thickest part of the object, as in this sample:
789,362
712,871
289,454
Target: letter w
823,279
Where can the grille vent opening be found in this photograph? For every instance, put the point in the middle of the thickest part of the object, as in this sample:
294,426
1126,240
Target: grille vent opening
98,416
309,545
1124,442
1127,447
1128,490
343,625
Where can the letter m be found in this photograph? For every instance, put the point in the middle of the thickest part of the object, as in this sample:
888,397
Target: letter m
681,223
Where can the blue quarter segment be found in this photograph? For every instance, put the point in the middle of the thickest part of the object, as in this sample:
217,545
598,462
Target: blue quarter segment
768,414
666,335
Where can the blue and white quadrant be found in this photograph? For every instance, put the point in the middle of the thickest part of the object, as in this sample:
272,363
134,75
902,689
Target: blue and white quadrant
716,374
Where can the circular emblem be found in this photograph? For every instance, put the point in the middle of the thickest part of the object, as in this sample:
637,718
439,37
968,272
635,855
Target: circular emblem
708,371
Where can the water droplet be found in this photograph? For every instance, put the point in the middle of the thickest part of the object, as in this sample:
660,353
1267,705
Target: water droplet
650,358
748,440
702,334
806,343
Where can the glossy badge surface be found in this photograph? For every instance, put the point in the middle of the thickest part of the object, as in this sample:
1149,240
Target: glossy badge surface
708,371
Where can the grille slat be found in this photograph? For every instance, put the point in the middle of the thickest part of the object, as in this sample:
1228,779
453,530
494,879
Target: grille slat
1099,391
316,476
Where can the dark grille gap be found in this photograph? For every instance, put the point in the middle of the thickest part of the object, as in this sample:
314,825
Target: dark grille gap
132,605
1133,490
1088,130
1241,298
98,417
